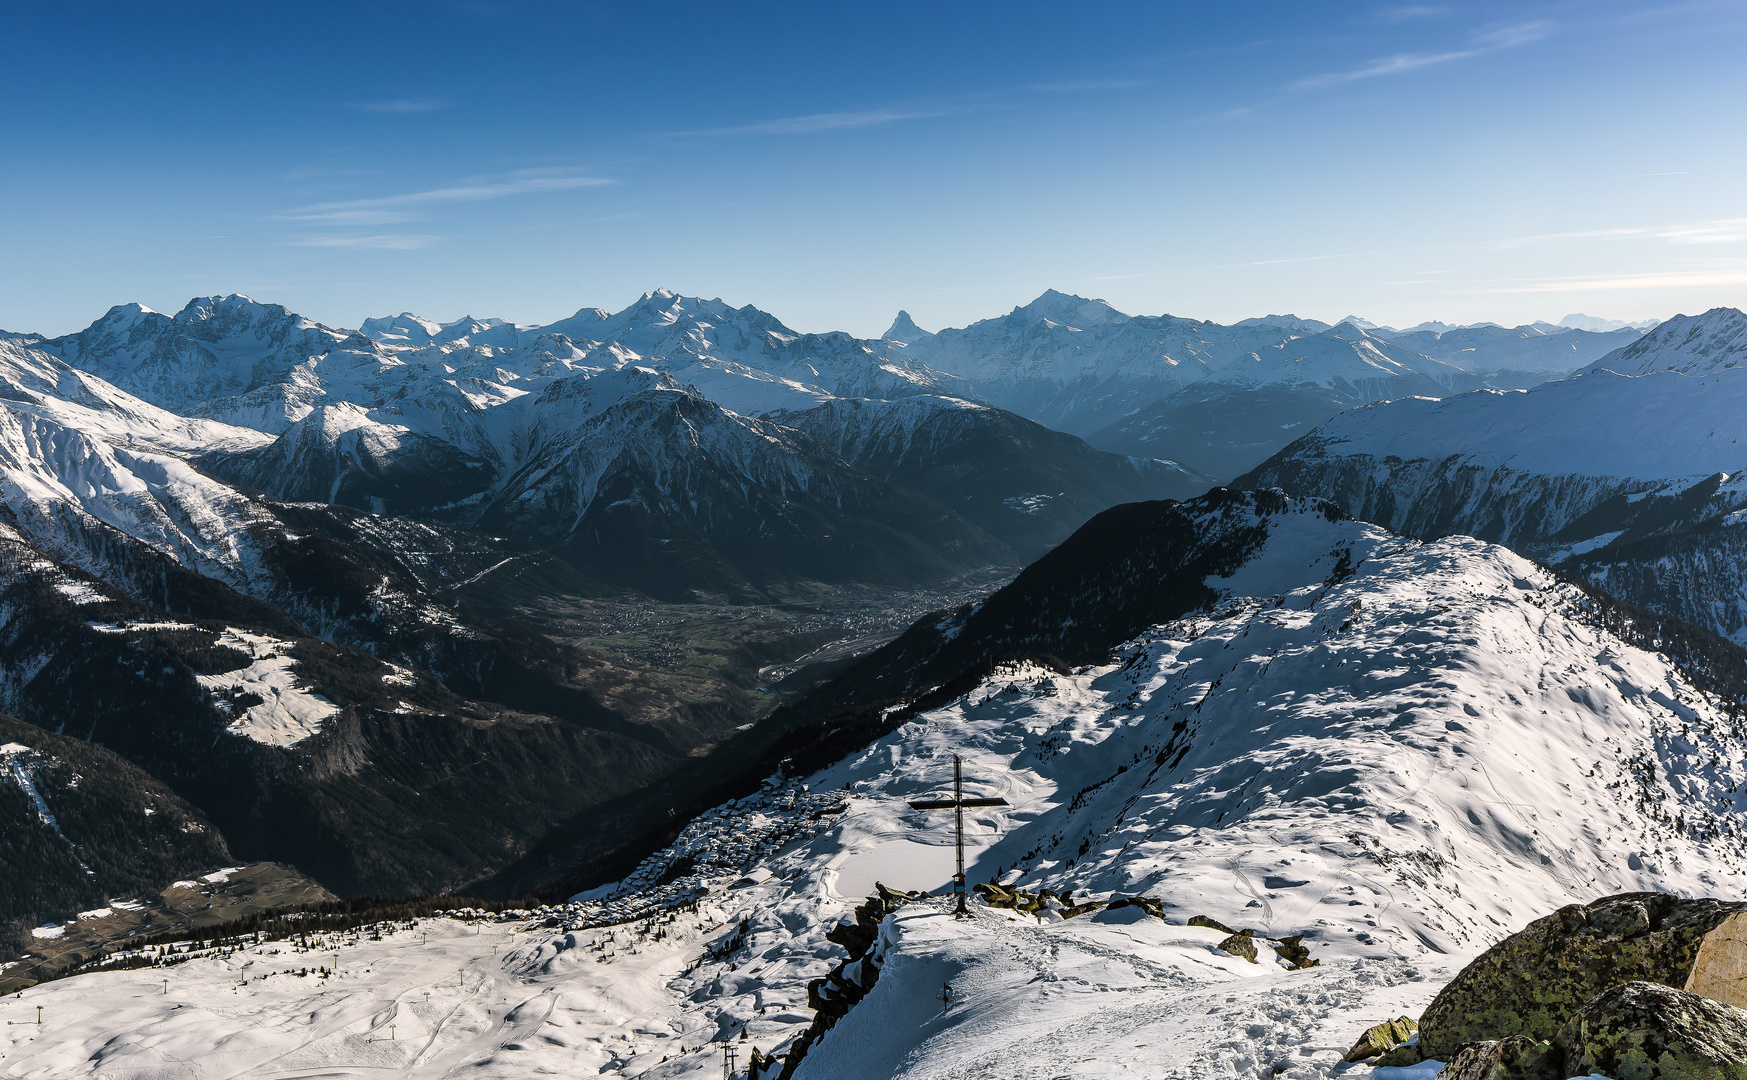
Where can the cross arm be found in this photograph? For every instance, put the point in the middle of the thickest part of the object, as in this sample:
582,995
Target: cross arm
948,804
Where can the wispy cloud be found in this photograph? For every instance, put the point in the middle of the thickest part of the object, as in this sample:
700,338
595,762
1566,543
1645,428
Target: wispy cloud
1490,41
1677,279
408,206
1718,231
401,105
817,122
387,242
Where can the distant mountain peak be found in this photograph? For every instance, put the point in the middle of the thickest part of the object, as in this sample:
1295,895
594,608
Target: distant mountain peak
904,329
1601,325
1286,322
1063,307
1690,344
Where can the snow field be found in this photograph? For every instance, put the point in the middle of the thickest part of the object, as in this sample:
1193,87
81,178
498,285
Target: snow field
1403,764
288,714
444,998
1093,998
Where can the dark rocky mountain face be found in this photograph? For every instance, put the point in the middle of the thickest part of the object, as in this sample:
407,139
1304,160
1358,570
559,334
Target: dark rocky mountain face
1018,481
409,782
1222,430
80,824
406,474
668,494
1128,568
401,786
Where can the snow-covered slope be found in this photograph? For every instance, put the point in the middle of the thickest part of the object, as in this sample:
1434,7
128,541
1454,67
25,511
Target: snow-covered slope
1604,468
78,455
1691,344
206,359
1400,751
484,421
1072,363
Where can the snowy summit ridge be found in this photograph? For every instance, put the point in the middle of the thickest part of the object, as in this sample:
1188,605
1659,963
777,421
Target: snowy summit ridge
1401,751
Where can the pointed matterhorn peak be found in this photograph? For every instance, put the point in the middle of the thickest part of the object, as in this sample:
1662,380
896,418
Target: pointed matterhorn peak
904,329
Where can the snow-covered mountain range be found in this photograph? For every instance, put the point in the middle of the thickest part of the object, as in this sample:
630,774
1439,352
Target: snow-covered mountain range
1220,398
1626,474
630,443
304,530
1392,752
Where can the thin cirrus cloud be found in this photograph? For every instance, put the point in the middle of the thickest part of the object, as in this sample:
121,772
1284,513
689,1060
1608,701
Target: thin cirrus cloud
1677,279
1718,231
412,205
1490,41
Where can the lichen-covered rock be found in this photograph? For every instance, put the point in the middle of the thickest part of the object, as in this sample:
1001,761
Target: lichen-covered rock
1515,1058
1046,900
1211,924
1292,950
1155,908
1645,1031
1242,943
1401,1056
1382,1037
1534,981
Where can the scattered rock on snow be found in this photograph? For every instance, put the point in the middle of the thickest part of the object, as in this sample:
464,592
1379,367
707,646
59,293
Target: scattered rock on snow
1211,924
1382,1037
1297,957
1242,943
1155,908
1042,901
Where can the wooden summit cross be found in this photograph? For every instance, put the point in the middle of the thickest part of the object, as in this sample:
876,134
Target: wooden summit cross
958,802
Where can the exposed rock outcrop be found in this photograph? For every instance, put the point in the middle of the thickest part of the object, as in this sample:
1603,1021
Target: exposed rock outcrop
1534,981
833,996
1643,1031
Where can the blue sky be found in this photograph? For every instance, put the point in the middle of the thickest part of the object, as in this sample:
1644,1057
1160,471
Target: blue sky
833,163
